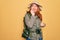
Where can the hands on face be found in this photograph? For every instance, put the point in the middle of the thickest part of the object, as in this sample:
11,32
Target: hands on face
32,12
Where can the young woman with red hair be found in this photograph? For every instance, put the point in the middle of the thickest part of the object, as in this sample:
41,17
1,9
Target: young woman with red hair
33,23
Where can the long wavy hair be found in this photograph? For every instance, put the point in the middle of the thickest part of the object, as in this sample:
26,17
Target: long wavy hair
38,12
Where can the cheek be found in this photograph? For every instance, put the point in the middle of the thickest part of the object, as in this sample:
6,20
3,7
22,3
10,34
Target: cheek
34,8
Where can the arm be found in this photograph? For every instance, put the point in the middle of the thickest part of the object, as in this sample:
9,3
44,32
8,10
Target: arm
29,21
38,22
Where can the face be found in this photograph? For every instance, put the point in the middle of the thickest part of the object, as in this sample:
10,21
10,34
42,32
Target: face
34,8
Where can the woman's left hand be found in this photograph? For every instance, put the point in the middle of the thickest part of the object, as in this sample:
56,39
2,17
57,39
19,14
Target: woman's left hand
43,24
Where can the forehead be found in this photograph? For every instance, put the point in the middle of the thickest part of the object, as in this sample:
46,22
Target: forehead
34,4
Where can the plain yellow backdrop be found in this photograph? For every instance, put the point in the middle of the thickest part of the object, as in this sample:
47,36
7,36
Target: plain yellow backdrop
13,11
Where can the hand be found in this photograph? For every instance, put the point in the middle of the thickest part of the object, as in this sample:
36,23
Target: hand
32,12
43,24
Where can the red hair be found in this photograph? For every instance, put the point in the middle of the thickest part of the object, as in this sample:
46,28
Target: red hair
38,12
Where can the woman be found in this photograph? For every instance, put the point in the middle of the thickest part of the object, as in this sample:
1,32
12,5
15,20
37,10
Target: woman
33,21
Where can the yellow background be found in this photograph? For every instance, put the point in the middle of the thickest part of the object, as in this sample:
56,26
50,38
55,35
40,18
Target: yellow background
13,11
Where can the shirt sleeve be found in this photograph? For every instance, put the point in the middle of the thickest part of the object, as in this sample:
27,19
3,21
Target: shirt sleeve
38,22
29,21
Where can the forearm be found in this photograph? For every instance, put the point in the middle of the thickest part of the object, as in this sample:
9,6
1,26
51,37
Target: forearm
29,22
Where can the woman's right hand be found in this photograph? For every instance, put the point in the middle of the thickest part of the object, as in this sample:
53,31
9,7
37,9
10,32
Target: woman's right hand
32,12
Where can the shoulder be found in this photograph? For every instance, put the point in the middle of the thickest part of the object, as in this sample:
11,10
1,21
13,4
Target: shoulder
28,14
